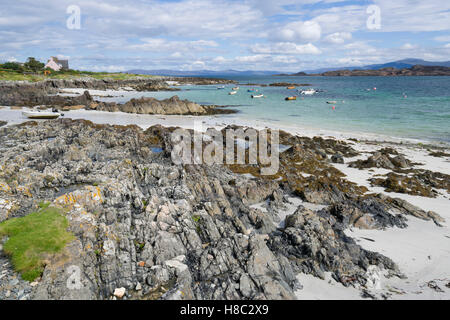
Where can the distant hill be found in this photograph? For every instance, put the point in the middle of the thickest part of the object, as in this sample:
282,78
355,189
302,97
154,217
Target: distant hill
400,64
202,73
417,70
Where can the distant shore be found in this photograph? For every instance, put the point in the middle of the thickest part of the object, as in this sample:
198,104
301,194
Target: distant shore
416,70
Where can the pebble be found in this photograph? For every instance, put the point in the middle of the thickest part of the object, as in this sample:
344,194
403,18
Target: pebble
119,292
14,282
138,287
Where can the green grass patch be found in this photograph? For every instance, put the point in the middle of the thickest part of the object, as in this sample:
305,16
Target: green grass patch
44,204
34,236
14,75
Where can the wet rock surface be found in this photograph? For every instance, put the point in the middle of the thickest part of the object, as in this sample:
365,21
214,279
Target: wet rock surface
404,178
416,182
165,231
171,106
45,93
386,158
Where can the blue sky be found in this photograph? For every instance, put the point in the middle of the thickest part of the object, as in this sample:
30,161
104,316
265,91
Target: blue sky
283,35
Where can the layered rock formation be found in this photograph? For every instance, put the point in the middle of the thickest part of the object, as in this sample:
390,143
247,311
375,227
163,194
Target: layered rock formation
171,106
44,94
165,231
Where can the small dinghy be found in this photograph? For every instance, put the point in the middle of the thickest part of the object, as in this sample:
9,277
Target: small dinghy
235,88
252,90
308,92
290,88
220,88
257,95
232,92
331,102
41,115
290,98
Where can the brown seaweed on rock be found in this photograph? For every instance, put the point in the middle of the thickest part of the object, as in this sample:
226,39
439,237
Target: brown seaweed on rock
187,231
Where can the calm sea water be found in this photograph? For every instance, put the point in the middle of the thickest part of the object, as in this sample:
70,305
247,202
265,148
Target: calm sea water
411,107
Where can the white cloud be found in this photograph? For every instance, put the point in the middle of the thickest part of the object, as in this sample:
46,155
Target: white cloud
220,59
253,58
299,32
217,33
158,45
409,46
442,38
285,48
415,15
350,61
338,37
285,59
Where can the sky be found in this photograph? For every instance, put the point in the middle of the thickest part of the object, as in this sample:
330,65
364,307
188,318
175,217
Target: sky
281,35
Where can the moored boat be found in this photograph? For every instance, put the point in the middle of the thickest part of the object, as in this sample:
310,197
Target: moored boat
290,98
235,88
290,88
40,115
308,92
232,92
257,95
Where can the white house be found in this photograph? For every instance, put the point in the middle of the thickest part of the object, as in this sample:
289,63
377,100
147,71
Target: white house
57,64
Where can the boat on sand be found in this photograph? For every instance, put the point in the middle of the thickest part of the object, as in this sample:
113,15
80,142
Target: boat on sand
40,115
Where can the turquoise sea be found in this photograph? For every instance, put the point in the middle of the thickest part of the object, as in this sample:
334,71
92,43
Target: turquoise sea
409,107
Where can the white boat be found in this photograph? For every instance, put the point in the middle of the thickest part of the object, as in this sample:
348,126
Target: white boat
257,95
232,92
308,92
220,88
41,115
235,88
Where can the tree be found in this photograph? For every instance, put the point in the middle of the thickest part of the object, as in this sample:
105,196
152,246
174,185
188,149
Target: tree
11,66
33,64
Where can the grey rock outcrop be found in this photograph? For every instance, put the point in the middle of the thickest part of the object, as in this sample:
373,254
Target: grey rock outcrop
144,105
180,232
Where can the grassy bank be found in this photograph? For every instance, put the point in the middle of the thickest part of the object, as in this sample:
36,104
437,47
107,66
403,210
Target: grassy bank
33,237
13,75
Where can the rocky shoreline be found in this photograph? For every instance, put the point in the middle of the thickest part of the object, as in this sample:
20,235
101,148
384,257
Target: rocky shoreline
416,70
165,231
45,94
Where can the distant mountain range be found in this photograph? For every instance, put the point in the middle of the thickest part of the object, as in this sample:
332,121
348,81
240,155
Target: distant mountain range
203,73
400,64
